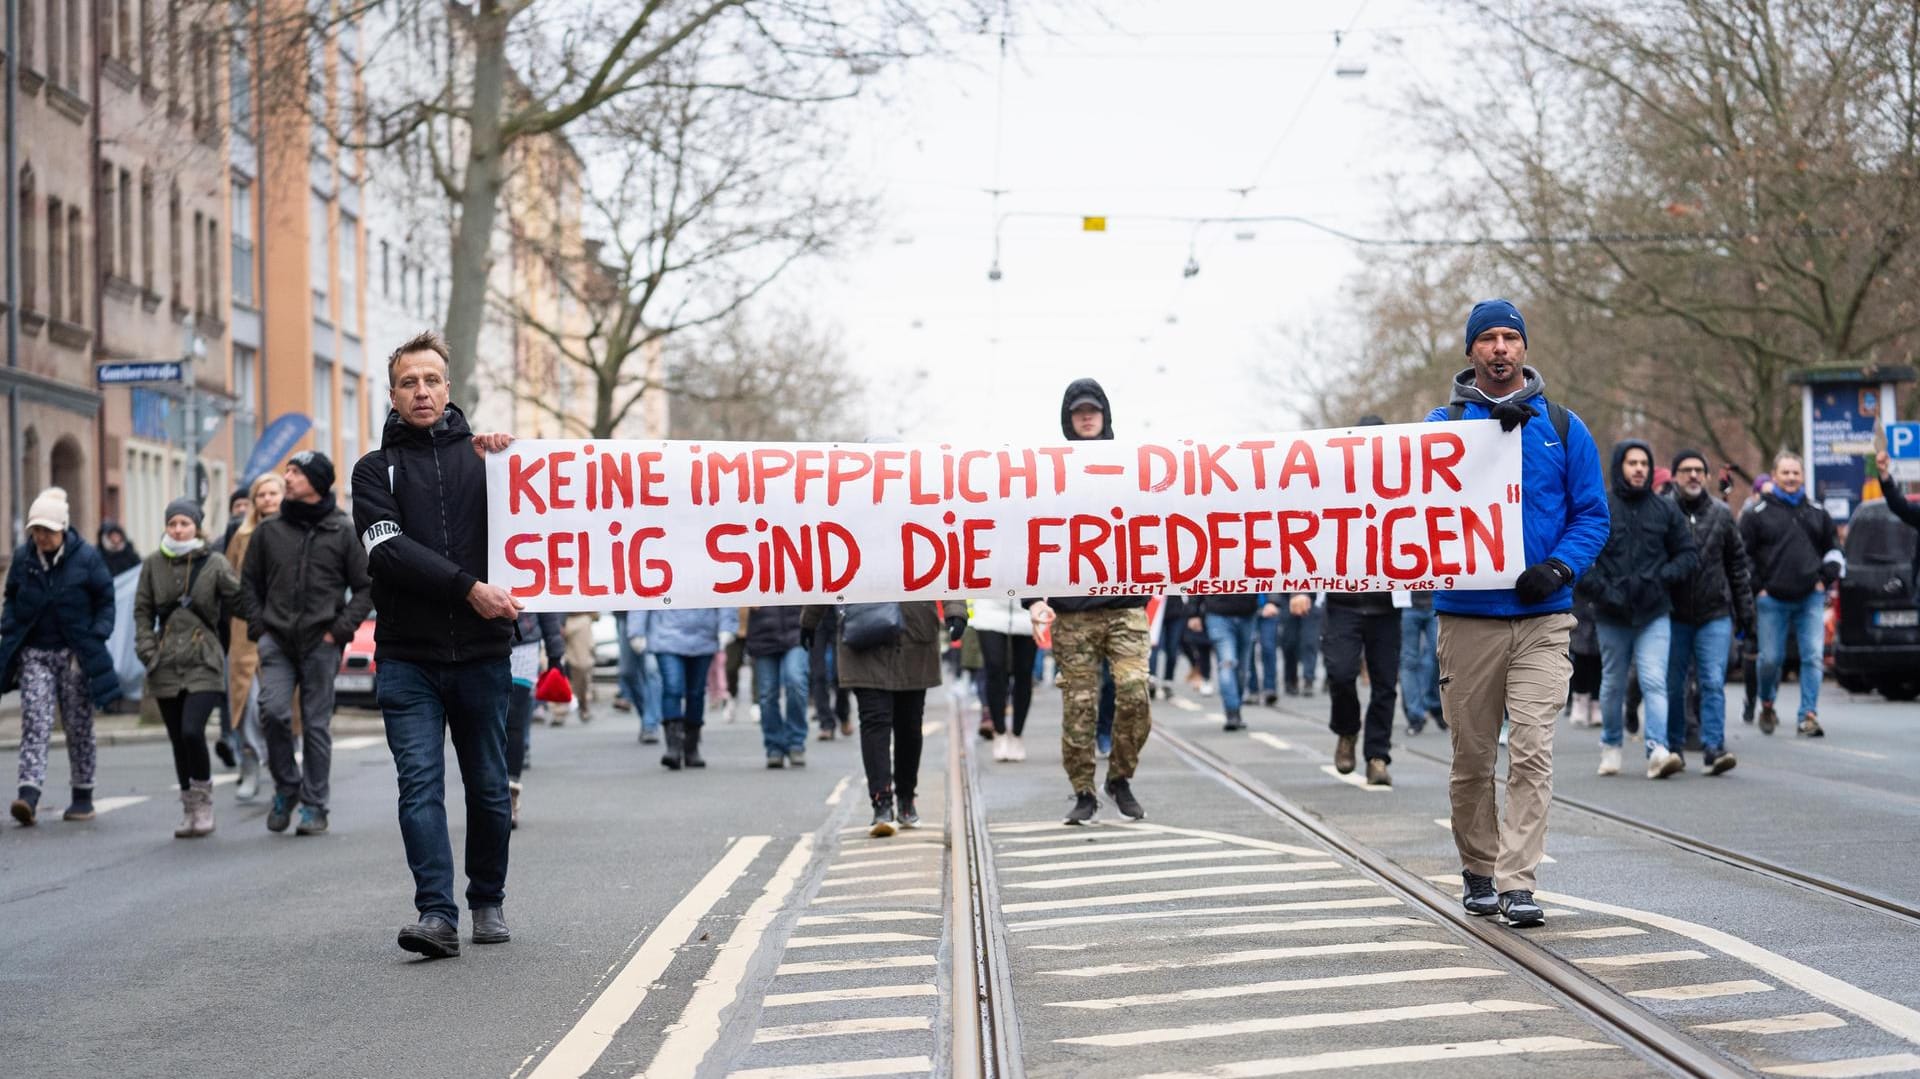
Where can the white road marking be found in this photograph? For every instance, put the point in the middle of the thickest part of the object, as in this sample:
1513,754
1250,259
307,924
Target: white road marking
835,1027
1313,1021
835,882
839,789
1022,827
1896,1019
1601,933
1641,959
359,741
1394,1054
1138,859
1269,740
576,1052
1354,779
1248,929
1185,873
843,1069
855,938
875,863
698,1026
1846,1069
1224,837
1135,898
1704,990
897,893
1186,705
1779,1024
108,805
834,966
1109,848
1289,985
1261,955
865,992
866,916
1202,912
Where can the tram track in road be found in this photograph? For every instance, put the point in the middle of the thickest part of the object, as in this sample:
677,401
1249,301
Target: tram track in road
986,1039
1813,882
1626,1022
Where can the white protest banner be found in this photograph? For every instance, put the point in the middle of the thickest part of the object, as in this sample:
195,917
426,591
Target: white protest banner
614,525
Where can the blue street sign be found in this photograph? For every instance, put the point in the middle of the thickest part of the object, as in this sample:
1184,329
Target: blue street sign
275,441
1903,441
112,374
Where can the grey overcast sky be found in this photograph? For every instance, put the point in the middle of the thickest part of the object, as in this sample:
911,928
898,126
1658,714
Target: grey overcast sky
1144,109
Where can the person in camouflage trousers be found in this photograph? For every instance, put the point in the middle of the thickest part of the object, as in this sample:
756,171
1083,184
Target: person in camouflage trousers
1092,631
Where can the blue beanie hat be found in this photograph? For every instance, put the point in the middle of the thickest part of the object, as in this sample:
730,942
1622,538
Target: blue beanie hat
1490,313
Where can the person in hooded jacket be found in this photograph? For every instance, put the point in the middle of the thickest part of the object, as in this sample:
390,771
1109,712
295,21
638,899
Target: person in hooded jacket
1796,557
1503,651
1649,551
186,592
441,642
1362,627
54,627
1709,607
116,550
1092,635
780,664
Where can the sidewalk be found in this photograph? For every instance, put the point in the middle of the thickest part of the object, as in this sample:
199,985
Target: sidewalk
138,729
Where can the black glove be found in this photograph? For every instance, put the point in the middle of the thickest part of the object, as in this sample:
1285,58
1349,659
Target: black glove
1540,580
1511,414
806,638
956,628
1829,572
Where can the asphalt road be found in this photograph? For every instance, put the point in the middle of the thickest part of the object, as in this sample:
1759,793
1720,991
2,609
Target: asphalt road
740,922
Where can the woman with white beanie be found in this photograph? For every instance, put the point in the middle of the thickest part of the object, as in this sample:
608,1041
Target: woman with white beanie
185,591
53,646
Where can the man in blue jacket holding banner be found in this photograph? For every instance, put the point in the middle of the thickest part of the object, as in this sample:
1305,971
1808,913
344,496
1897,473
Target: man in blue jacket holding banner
1503,652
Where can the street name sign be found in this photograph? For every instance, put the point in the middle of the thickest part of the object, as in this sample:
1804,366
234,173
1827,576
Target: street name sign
112,374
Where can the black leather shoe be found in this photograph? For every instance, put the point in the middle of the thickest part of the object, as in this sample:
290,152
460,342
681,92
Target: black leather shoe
432,936
490,926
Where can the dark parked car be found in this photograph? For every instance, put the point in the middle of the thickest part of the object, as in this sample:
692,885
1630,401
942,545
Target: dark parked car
1877,640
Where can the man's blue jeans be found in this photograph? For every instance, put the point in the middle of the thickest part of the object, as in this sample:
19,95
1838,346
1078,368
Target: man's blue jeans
1232,639
775,677
1704,648
1266,675
1645,650
640,683
683,687
421,705
1419,663
1805,619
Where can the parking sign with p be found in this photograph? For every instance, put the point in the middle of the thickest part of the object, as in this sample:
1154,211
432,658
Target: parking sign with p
1903,450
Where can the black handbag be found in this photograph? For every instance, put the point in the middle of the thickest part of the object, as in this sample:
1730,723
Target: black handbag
867,626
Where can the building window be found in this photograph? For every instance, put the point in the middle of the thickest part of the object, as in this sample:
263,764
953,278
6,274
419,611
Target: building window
349,423
123,18
213,266
54,52
240,82
29,256
73,46
317,247
56,257
76,270
241,229
199,268
173,57
146,229
26,34
107,201
125,202
386,271
323,406
246,388
176,279
349,272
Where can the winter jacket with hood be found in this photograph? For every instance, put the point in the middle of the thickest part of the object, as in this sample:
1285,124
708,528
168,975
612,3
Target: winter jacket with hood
1723,586
420,508
910,662
1078,388
1649,550
772,631
305,577
1790,546
1564,514
182,654
119,561
75,597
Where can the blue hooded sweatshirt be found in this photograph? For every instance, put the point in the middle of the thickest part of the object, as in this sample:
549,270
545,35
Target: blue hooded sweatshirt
1564,500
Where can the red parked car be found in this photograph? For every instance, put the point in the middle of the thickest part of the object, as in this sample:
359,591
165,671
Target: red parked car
355,683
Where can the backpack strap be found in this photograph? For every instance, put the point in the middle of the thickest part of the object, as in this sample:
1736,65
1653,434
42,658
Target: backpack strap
1455,410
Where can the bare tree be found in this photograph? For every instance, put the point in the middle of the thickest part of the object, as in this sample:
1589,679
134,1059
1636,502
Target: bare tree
702,199
778,378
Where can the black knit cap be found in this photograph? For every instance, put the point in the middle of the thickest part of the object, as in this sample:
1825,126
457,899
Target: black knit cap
319,471
1687,455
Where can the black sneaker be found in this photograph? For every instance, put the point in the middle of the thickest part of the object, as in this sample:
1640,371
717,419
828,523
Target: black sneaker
1085,805
883,824
281,814
1271,699
1234,722
1478,898
1520,910
908,816
432,936
1719,763
1122,794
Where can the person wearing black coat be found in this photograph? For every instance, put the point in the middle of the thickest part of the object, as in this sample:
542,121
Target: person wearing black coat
1901,507
441,644
53,646
1361,627
1796,556
1649,550
116,550
1709,607
780,674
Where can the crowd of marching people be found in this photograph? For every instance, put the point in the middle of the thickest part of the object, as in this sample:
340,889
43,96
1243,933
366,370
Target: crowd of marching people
1640,582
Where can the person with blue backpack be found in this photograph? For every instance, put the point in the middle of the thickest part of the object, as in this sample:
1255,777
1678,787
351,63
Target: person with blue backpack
1503,652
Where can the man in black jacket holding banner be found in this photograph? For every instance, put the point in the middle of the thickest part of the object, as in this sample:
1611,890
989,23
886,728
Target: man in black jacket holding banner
420,506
